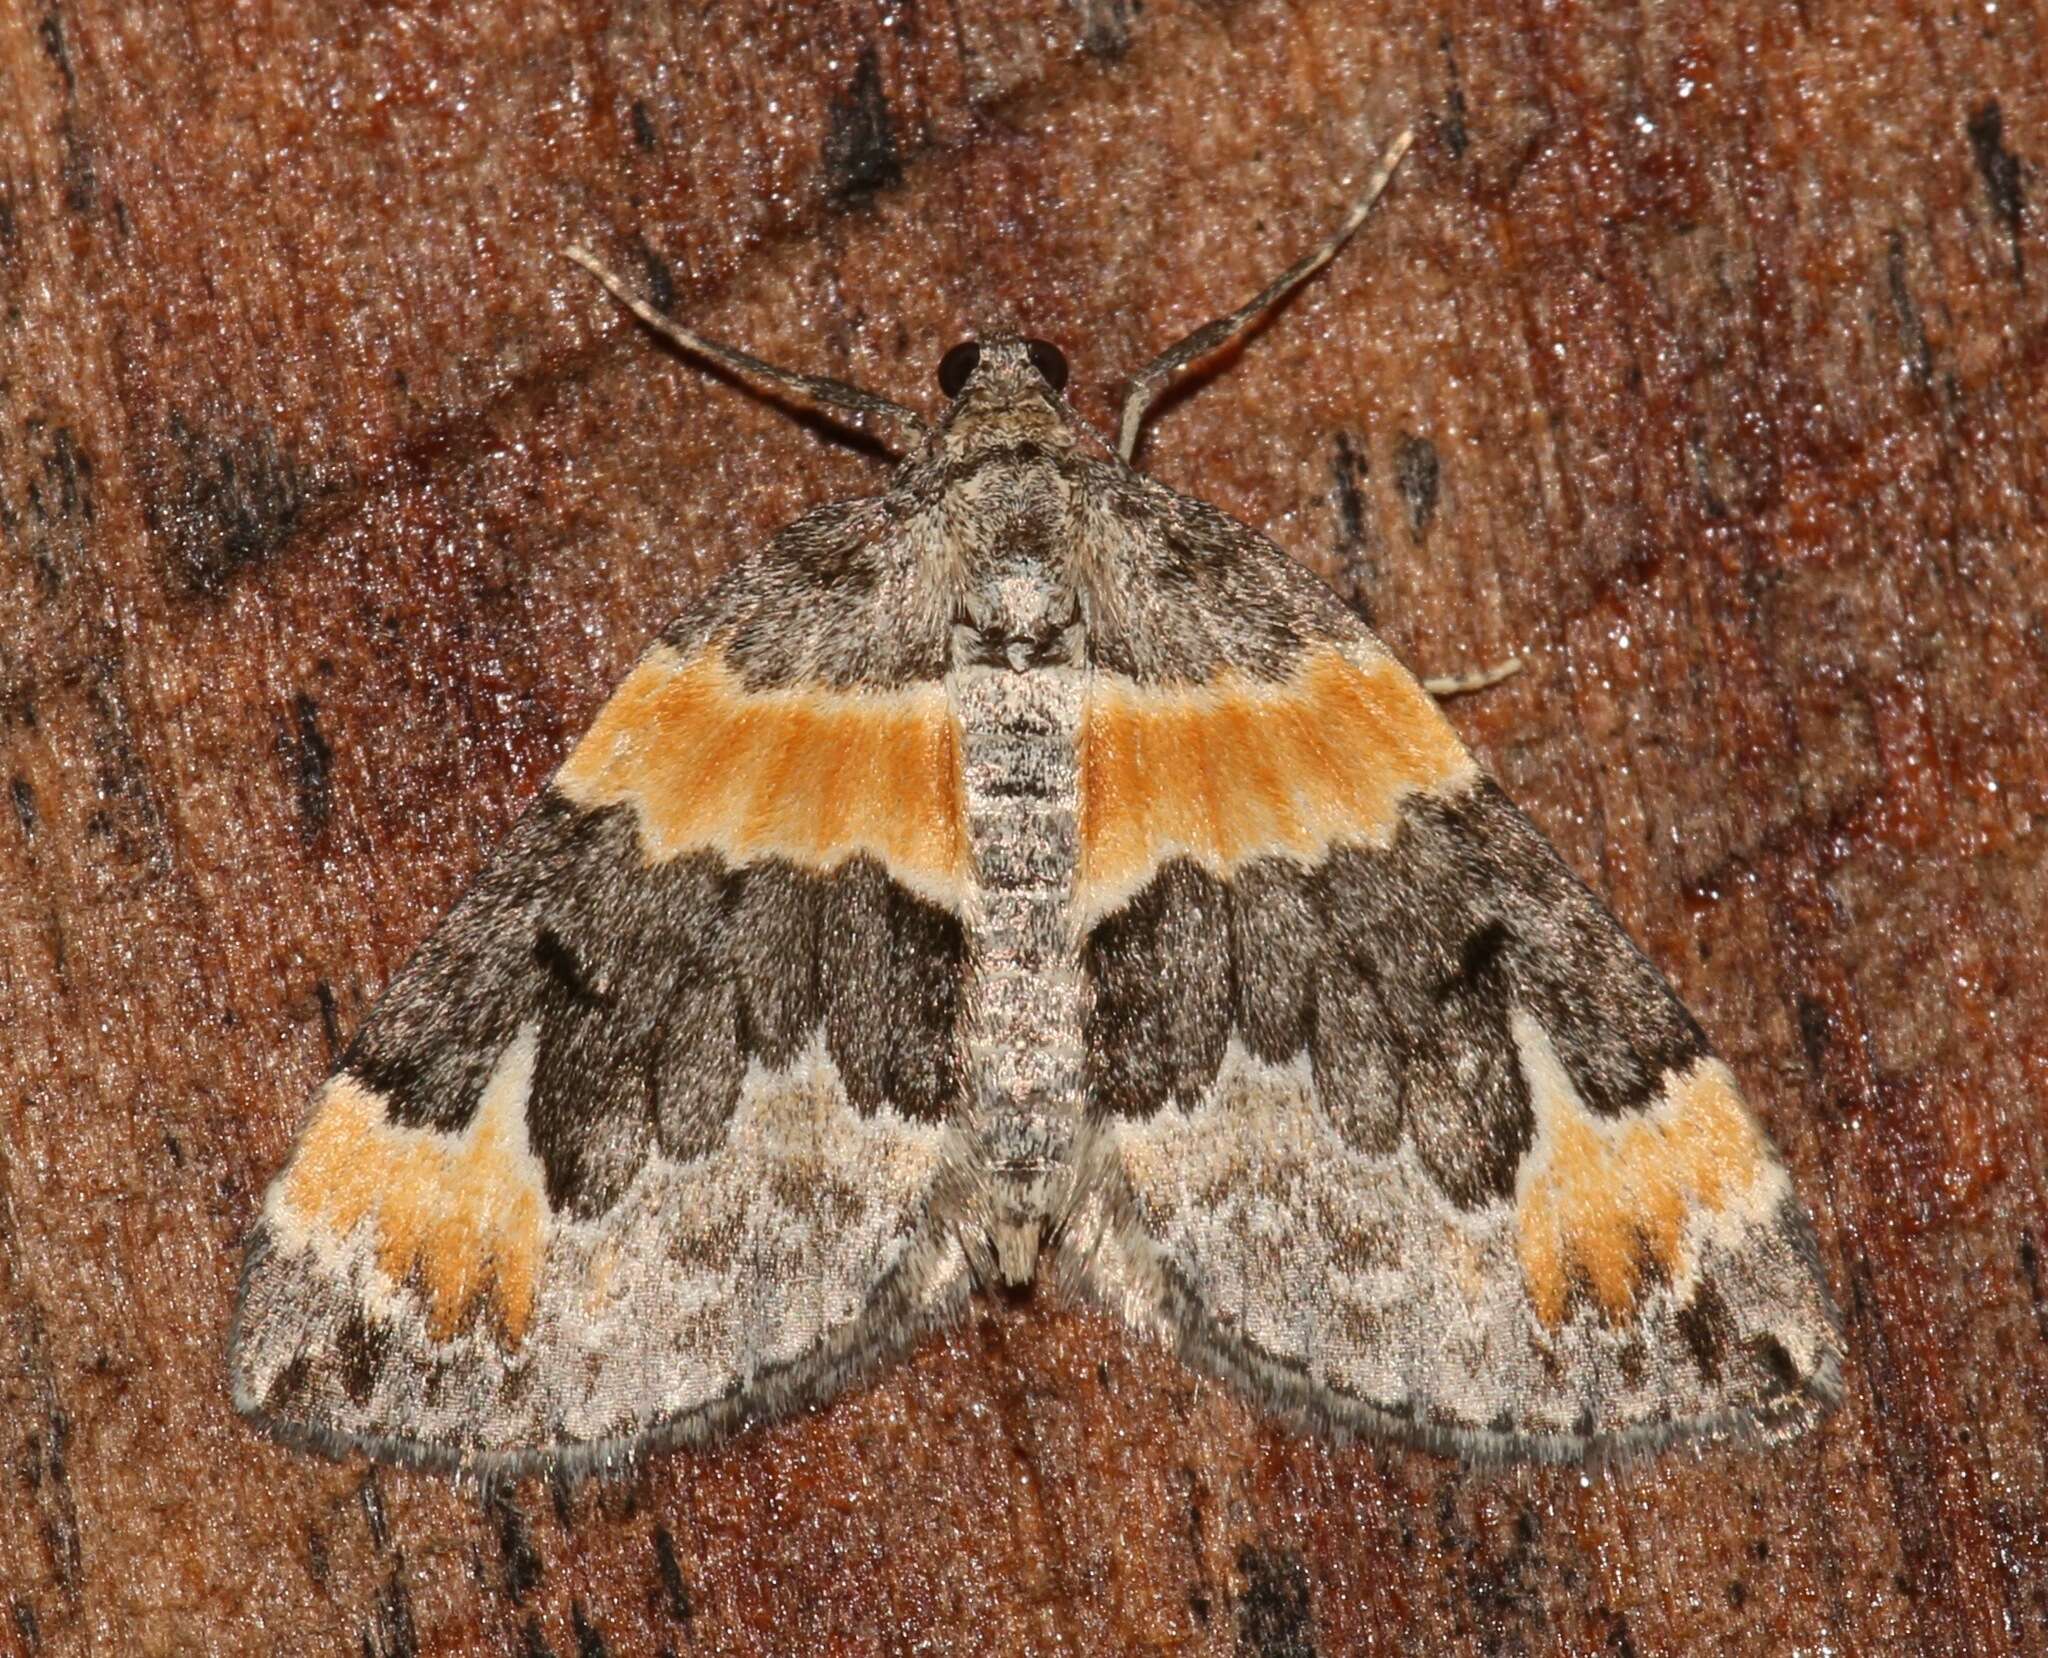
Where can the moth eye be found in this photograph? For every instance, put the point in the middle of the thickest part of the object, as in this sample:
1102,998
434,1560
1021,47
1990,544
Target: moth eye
1050,361
956,365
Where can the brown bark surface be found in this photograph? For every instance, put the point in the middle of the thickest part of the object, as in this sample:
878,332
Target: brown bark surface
1697,355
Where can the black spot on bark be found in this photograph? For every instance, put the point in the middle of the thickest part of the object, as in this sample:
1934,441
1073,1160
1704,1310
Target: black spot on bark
391,1632
675,1593
309,761
1416,471
70,469
1813,1030
515,1543
1357,538
330,1017
51,31
1273,1619
1912,332
643,125
81,175
1348,470
45,1466
1106,28
24,796
59,508
373,1510
1456,136
860,141
233,505
2030,1269
26,1627
2001,171
1712,503
589,1642
127,819
661,278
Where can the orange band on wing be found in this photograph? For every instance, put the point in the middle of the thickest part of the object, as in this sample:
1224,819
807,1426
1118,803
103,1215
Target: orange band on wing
811,775
1235,769
1604,1205
467,1212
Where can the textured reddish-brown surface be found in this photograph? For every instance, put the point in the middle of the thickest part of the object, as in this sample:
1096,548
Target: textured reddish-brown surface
1698,355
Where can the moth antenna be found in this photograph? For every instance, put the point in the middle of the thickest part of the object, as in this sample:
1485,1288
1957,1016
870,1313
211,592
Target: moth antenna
813,388
1147,383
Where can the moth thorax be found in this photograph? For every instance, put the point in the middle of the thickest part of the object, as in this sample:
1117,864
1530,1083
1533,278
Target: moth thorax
1012,527
1019,618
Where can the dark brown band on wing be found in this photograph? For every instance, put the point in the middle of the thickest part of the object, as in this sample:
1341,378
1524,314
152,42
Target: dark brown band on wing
1397,971
650,988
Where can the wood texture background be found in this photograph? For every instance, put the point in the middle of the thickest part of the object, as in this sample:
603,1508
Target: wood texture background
1697,354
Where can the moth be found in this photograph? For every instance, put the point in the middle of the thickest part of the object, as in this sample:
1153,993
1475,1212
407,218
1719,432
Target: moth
1027,868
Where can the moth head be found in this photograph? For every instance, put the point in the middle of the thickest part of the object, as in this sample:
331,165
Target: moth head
1005,390
1005,366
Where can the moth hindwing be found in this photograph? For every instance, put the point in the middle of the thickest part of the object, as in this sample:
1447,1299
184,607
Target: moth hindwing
1026,863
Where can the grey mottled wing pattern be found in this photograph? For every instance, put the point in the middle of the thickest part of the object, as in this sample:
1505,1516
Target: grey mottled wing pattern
1027,854
1387,1120
649,1137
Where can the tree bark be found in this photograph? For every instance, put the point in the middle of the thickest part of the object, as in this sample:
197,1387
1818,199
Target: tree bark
1697,355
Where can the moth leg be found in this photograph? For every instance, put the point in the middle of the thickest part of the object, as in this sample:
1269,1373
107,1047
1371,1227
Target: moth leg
1147,383
1475,679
